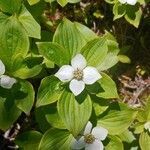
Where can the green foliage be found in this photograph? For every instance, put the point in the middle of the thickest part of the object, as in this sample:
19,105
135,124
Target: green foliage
14,40
10,6
29,140
74,111
95,51
131,13
40,114
32,28
117,118
27,67
144,114
54,52
114,144
124,59
86,32
9,113
119,10
63,2
144,141
12,102
49,91
56,139
36,39
127,136
25,102
109,87
54,119
68,36
111,58
32,2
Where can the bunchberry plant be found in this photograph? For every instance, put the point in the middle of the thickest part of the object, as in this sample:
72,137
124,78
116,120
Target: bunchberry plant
60,61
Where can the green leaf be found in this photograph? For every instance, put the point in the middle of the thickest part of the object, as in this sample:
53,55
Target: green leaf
111,1
24,96
114,144
138,127
117,119
133,15
100,105
55,139
29,140
113,51
54,119
144,114
62,2
49,91
13,40
48,63
127,136
95,51
124,59
40,114
10,6
36,10
26,67
3,17
32,2
50,1
54,52
19,98
144,141
111,59
9,113
87,33
32,28
74,1
74,111
68,36
119,10
109,87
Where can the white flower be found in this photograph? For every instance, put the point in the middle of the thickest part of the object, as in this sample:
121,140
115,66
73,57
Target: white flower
78,73
147,126
130,2
91,138
5,81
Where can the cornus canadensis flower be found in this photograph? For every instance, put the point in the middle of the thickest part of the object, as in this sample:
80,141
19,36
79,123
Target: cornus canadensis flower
147,126
78,73
91,138
130,2
5,81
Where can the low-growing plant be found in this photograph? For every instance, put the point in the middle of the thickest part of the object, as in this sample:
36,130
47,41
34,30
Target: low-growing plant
56,79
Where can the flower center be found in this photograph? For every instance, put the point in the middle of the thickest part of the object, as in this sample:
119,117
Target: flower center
89,138
78,74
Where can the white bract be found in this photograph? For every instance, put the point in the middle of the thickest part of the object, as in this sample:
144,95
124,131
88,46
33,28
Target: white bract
78,73
5,81
130,2
91,139
147,126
